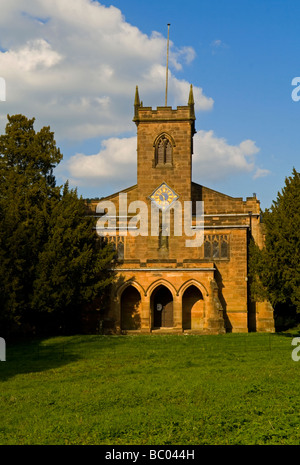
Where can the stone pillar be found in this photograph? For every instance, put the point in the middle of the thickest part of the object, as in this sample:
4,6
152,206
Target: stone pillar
214,319
145,314
177,313
264,317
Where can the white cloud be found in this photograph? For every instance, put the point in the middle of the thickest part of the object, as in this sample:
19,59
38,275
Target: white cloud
74,66
176,87
215,159
35,55
261,173
115,164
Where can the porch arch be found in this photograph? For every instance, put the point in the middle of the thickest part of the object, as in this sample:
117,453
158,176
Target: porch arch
161,304
130,305
162,282
192,308
193,282
130,282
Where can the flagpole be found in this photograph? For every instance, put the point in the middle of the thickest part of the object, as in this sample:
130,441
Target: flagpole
166,97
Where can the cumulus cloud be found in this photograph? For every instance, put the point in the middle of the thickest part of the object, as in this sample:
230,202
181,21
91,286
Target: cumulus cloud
114,165
74,65
35,55
214,158
176,87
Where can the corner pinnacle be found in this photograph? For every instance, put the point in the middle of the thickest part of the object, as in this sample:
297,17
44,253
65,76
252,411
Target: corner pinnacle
137,104
191,96
137,97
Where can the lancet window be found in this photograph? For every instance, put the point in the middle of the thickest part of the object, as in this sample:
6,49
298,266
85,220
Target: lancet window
163,151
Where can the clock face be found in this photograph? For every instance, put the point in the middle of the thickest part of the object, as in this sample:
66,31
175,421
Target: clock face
163,196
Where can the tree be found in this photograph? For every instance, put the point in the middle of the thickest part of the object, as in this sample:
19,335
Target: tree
74,266
27,188
50,262
277,265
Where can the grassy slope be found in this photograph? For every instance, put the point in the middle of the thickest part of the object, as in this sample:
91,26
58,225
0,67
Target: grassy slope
232,389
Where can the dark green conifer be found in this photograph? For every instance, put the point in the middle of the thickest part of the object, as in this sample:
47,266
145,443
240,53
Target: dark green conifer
50,260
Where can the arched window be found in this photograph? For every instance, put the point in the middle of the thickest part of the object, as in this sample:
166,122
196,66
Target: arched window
163,151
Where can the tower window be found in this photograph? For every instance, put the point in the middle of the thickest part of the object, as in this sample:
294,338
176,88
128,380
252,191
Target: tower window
163,151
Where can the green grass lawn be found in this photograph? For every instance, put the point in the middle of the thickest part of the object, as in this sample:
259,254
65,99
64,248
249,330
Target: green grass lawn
152,389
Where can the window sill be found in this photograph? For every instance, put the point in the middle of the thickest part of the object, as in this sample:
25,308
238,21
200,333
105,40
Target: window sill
164,165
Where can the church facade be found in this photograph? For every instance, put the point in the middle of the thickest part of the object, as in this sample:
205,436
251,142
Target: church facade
163,284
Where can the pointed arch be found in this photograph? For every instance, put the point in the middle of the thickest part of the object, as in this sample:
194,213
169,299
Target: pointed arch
166,136
161,282
161,303
163,149
128,283
130,308
193,308
193,282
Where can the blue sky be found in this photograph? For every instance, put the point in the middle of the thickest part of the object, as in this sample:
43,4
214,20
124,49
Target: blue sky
74,66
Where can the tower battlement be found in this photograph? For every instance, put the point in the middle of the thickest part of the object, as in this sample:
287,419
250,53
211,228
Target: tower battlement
164,113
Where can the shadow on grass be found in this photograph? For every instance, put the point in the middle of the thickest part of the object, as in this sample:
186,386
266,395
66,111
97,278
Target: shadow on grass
37,355
291,332
32,357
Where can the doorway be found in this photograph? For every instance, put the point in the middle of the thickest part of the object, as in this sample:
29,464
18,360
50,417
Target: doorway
130,309
162,306
192,308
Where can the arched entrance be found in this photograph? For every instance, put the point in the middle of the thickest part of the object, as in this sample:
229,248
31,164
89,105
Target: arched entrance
192,308
130,309
162,307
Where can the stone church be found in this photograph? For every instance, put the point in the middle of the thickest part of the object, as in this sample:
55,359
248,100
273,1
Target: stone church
161,284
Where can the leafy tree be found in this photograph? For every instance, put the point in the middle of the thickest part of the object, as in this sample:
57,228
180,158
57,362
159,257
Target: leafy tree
275,269
50,260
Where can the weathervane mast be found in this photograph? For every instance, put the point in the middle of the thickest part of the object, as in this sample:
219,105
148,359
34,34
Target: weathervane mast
166,97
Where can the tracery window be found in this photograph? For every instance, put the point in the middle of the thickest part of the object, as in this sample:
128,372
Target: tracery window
118,244
216,246
163,151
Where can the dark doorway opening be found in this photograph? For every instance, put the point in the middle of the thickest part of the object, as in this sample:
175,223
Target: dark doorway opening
162,305
130,309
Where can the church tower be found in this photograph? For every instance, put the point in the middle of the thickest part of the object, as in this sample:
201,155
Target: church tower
164,147
164,172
